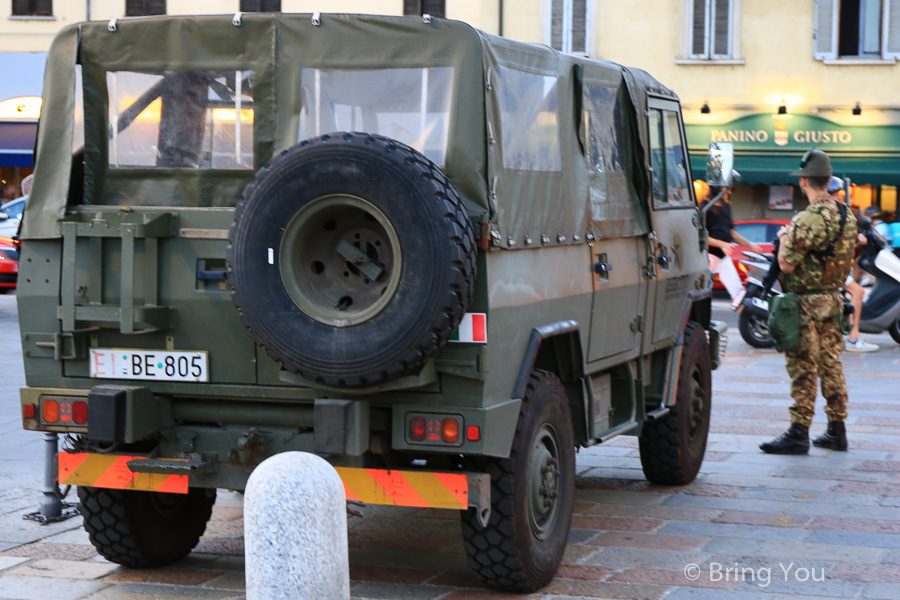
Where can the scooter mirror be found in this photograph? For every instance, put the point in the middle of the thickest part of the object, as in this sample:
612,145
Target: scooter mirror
720,164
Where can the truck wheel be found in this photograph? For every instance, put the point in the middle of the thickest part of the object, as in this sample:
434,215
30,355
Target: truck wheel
672,447
755,330
145,529
352,259
532,495
894,330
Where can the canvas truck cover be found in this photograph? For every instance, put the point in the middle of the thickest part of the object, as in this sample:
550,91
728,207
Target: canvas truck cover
523,145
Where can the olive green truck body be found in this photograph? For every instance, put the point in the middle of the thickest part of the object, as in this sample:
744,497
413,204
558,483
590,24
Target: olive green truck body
147,279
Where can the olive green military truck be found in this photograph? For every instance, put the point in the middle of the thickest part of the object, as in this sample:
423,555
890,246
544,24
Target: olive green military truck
441,259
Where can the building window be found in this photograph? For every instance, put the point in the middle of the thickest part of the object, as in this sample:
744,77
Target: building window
32,8
711,29
569,26
143,8
435,8
857,29
260,6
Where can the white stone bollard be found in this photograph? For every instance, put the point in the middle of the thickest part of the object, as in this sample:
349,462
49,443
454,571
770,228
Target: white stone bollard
295,530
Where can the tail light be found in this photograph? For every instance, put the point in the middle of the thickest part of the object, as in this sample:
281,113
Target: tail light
50,410
29,411
417,429
79,412
434,429
450,430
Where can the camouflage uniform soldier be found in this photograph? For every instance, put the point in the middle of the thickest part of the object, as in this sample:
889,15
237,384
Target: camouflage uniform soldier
815,257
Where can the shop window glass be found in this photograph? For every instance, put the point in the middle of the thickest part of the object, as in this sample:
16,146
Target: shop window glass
181,119
411,106
529,120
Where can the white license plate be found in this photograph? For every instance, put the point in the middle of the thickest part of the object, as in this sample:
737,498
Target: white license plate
157,365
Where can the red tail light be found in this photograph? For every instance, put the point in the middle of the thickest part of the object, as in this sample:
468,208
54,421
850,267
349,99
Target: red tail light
417,429
450,430
50,411
79,412
473,433
29,411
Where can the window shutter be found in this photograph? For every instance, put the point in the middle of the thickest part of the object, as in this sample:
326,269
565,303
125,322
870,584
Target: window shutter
579,26
435,8
824,26
722,29
556,24
20,7
891,34
156,7
41,8
698,29
411,7
270,6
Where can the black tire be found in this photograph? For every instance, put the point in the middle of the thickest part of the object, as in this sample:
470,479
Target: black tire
522,546
145,529
672,446
755,330
894,330
360,315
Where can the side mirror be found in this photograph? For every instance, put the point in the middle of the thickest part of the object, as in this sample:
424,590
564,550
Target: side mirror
3,216
720,164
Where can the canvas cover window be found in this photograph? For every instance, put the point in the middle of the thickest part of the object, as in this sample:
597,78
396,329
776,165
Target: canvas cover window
711,28
410,105
612,201
529,120
669,160
181,119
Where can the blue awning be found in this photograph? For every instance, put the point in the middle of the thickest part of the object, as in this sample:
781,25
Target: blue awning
17,143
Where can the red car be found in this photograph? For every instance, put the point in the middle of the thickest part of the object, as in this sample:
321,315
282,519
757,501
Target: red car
758,231
9,265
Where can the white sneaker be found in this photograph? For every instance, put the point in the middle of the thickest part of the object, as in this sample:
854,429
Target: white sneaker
860,345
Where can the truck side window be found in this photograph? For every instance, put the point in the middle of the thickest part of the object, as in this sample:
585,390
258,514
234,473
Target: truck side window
603,128
668,159
529,120
409,105
181,119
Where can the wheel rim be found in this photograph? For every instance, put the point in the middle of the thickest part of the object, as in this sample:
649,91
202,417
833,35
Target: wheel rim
544,482
168,505
759,328
697,403
340,260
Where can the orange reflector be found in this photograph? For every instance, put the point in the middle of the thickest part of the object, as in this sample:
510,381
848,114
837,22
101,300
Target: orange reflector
79,412
473,433
50,411
450,430
28,411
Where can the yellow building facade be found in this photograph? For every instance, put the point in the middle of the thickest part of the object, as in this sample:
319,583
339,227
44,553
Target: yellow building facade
829,66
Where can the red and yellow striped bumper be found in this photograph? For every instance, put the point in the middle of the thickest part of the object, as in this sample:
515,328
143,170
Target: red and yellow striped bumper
373,486
111,471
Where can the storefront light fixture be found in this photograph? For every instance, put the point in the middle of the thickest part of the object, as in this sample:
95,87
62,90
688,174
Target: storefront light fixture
705,110
857,110
782,110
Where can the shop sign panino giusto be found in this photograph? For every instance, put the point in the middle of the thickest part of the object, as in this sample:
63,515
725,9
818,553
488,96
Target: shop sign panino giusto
794,132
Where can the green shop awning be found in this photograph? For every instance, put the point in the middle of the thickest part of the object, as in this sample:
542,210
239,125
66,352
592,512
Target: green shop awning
768,147
773,168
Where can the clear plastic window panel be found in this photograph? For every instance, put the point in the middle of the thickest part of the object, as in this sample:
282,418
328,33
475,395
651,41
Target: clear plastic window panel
603,124
529,120
181,119
676,160
410,105
657,158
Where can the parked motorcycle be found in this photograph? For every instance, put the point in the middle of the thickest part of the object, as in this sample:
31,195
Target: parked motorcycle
880,309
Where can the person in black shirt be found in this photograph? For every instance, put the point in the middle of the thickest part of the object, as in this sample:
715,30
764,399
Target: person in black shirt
722,236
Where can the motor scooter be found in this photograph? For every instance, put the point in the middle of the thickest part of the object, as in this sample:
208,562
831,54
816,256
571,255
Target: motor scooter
881,305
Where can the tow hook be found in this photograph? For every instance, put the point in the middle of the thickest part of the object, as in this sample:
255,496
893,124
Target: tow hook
251,447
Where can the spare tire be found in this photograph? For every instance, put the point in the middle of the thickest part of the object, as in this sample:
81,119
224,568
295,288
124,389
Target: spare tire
352,259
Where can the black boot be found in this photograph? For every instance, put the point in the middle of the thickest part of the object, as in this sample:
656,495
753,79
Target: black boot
793,441
834,438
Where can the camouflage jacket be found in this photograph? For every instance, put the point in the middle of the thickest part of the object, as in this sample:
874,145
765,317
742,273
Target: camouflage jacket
812,230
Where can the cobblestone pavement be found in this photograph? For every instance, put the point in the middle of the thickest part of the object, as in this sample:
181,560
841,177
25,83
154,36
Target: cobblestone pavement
751,526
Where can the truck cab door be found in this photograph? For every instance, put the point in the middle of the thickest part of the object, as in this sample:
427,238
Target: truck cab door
676,261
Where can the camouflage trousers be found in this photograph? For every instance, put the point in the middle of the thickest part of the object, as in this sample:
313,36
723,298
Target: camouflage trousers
818,355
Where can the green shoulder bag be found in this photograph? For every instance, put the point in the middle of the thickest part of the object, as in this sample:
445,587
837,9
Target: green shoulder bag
784,321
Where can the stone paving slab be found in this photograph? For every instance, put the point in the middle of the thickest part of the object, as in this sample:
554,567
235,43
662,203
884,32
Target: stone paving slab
831,514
